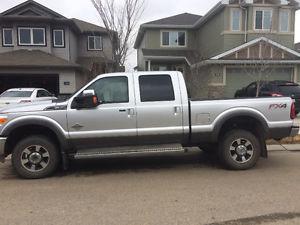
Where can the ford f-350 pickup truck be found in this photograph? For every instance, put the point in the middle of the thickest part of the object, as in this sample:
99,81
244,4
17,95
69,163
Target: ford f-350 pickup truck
140,113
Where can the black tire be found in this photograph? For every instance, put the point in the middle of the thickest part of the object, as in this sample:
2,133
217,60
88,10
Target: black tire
239,150
209,148
42,156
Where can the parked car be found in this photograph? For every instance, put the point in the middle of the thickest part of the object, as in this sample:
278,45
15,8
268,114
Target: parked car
25,95
140,113
277,88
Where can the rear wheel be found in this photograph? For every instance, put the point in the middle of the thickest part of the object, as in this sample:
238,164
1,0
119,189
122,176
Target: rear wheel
239,150
35,157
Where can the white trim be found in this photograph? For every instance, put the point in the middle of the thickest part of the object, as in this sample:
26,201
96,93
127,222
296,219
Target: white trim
12,37
168,57
240,19
289,20
263,9
173,46
246,62
31,36
94,37
250,43
63,38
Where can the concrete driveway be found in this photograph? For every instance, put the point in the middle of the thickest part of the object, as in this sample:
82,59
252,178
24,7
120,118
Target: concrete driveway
180,188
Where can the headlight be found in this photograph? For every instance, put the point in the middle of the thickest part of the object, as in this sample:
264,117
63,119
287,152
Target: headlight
3,119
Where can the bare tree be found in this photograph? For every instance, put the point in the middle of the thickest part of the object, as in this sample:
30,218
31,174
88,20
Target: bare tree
120,19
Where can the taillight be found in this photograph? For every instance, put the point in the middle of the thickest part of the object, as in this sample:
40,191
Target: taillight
293,111
276,95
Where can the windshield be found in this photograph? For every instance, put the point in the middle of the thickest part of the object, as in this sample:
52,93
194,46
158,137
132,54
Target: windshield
16,94
289,89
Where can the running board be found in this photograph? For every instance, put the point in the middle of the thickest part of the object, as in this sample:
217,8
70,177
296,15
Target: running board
126,151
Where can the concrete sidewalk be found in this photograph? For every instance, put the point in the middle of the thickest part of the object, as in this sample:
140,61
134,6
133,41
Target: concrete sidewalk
285,147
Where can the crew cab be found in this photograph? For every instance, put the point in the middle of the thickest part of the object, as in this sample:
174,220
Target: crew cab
140,113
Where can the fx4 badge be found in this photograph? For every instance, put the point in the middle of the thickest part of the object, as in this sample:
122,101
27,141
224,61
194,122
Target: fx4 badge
277,106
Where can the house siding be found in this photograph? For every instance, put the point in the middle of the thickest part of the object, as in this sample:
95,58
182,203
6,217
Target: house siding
83,47
210,42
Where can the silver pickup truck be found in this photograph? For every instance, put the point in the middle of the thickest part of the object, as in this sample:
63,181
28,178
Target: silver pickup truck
140,113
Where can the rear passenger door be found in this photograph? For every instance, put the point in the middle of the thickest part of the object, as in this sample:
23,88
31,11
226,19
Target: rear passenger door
159,108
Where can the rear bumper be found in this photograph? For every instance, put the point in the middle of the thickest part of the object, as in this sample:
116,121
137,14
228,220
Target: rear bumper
294,131
2,148
283,132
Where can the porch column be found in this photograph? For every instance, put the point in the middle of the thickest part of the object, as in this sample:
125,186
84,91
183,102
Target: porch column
149,65
296,73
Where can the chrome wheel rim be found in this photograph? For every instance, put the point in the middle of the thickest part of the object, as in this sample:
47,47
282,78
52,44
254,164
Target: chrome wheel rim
35,158
241,150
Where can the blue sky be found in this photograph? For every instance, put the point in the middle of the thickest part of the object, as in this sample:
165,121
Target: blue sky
155,9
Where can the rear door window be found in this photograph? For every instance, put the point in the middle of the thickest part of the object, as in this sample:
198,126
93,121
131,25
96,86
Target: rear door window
289,89
155,88
43,94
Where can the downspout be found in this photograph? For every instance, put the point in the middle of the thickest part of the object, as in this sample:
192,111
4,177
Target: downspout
246,21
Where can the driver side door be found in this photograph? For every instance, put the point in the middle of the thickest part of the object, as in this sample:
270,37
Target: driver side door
113,122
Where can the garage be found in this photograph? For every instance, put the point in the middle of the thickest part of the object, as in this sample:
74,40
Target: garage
237,78
47,81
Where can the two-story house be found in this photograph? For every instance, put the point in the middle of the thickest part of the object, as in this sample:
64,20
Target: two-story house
41,48
235,43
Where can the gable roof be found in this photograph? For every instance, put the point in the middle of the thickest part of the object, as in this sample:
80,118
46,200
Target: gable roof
86,27
33,6
35,58
180,19
33,11
253,42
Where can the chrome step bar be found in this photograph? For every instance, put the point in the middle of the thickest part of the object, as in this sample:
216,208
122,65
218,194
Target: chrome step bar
127,151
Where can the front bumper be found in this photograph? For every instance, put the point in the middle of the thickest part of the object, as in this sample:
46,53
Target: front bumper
2,148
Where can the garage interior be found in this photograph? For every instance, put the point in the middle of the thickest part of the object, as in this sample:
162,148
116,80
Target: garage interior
48,81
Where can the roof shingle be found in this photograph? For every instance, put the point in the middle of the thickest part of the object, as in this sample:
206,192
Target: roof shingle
34,58
180,19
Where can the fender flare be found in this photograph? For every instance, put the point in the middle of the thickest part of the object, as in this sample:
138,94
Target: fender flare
244,112
39,121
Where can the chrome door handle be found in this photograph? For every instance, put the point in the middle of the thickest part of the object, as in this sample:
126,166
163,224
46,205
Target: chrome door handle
177,110
131,112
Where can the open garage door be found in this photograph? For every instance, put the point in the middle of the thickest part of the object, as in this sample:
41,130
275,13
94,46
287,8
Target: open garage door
237,78
48,81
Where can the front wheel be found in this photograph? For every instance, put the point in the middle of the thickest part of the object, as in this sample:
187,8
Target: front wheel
35,157
239,150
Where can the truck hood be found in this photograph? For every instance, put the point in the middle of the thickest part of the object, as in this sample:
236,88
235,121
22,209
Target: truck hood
33,107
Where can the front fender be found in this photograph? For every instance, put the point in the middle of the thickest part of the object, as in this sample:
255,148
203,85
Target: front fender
44,121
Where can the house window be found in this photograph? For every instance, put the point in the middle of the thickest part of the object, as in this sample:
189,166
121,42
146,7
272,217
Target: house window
94,43
263,19
58,38
236,19
173,38
32,36
284,20
7,36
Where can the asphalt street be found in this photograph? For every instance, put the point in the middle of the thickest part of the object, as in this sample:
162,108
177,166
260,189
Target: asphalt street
181,188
